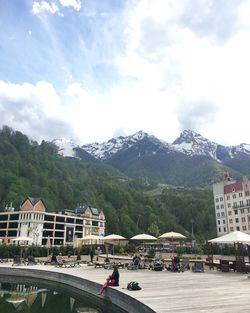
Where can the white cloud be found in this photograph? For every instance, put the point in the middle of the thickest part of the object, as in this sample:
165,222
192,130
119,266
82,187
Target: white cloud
44,6
76,4
33,109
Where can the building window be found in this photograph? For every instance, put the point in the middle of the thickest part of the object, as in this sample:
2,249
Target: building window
219,230
228,197
218,222
237,227
234,196
231,228
222,206
221,198
217,207
223,221
233,190
225,229
247,193
240,194
218,214
236,220
235,205
229,212
248,201
243,219
242,211
230,221
235,212
244,228
229,205
216,200
241,204
222,213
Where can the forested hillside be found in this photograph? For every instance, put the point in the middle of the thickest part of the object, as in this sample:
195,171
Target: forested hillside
31,169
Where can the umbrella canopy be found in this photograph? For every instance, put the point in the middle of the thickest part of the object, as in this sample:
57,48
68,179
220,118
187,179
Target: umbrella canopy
143,237
89,239
172,235
233,237
113,237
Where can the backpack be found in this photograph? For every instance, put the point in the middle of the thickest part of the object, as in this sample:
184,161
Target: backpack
133,285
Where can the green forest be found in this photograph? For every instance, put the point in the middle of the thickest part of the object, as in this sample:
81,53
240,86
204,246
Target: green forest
28,168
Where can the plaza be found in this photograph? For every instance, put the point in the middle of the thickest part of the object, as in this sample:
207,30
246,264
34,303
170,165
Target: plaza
212,291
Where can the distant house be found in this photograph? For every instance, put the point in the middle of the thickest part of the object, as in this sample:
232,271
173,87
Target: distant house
59,227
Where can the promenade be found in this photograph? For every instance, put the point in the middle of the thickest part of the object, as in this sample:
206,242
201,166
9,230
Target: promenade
212,291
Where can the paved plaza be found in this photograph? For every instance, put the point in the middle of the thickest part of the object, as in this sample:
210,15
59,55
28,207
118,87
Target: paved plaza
212,291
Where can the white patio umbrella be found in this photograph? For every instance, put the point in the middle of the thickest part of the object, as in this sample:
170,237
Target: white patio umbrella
91,238
143,237
233,237
172,235
112,239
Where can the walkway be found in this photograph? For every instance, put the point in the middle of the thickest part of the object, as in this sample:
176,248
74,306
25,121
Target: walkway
212,291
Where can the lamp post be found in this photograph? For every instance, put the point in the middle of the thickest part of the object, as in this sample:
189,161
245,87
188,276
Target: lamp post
192,227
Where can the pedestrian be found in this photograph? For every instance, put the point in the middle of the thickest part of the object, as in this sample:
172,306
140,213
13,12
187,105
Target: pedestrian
91,256
112,280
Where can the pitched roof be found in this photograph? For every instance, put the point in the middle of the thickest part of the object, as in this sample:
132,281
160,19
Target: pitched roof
238,186
34,200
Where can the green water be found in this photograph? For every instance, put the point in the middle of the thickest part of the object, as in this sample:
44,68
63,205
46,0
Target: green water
25,298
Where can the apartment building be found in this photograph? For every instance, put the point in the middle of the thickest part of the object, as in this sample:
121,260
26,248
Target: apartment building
60,228
232,205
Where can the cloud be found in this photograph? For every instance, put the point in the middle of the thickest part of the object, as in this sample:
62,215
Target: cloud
76,4
44,6
34,110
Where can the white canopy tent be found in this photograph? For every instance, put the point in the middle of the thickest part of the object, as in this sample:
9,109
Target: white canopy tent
233,237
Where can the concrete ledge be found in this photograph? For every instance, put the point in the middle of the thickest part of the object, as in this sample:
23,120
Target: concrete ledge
78,285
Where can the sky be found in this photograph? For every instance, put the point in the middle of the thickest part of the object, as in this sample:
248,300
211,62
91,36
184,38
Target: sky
91,70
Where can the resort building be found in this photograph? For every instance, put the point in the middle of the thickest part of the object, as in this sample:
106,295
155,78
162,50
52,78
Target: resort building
39,227
232,205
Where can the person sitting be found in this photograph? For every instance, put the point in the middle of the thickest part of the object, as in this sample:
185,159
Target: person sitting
59,259
112,280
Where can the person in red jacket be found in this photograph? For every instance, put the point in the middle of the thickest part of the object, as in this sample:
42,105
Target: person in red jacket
112,280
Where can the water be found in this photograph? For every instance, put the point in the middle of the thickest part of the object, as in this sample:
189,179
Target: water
25,297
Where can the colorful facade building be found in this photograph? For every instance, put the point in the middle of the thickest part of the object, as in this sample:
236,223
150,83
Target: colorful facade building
35,223
232,205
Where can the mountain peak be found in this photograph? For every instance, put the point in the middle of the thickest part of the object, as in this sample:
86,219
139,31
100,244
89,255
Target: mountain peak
188,136
140,135
192,143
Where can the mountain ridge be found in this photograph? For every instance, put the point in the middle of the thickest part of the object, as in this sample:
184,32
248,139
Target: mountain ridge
142,155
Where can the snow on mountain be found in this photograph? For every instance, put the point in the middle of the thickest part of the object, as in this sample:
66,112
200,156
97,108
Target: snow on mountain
243,148
65,147
192,143
189,143
106,150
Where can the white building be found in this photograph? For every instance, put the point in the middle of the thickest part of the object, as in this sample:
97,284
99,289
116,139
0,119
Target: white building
60,228
232,205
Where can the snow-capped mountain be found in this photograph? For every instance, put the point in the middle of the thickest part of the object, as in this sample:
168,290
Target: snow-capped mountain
189,143
190,160
106,150
192,143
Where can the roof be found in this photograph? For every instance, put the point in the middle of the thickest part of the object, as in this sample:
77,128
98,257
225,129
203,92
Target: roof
238,186
34,201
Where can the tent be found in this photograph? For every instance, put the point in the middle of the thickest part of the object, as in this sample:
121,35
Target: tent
238,239
233,237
